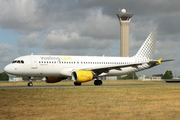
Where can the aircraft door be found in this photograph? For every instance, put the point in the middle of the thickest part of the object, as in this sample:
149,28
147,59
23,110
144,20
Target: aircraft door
33,62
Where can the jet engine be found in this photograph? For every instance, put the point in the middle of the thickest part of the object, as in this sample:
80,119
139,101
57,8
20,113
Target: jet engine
81,76
54,79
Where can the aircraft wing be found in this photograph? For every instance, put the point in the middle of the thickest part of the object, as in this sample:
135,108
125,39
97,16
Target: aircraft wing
101,69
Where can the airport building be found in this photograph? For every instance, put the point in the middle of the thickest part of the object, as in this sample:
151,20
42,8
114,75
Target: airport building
15,78
124,19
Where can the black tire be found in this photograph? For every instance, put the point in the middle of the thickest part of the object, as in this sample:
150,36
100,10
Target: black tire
30,84
98,82
77,84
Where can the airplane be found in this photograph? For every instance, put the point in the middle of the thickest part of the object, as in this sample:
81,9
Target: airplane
84,68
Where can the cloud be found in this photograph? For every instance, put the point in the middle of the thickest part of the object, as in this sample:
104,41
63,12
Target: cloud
7,52
65,41
19,15
28,41
94,32
25,43
97,25
27,16
169,25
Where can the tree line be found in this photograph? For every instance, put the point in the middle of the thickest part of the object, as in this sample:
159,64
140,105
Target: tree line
4,76
132,76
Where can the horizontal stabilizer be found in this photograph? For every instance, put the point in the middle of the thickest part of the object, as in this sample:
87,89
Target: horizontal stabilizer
167,60
159,61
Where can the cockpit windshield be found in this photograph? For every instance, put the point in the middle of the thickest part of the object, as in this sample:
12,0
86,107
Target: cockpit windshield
18,61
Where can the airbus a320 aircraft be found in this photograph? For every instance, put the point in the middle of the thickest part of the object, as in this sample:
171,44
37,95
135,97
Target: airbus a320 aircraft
83,68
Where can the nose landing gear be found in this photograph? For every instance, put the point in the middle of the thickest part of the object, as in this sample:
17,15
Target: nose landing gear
30,83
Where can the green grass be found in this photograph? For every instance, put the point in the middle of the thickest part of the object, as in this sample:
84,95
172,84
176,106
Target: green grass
93,103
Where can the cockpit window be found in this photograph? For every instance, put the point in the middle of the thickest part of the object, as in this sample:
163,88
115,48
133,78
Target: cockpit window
22,61
14,61
18,61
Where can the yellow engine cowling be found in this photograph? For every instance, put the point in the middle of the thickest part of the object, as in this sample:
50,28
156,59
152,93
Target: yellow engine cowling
54,79
81,76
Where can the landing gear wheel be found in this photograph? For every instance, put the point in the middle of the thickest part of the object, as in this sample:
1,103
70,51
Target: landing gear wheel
77,84
97,82
30,84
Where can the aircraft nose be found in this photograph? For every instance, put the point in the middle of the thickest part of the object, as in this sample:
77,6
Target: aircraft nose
8,69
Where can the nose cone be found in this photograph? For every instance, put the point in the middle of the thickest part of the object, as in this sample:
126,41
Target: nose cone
8,69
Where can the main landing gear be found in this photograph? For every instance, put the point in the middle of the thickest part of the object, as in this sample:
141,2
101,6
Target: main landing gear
30,83
98,82
77,84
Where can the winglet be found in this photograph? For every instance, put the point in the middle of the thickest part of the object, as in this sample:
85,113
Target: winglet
159,60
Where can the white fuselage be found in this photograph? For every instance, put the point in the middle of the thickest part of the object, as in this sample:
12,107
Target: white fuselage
54,65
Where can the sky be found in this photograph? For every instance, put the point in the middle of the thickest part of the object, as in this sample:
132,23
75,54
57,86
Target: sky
88,27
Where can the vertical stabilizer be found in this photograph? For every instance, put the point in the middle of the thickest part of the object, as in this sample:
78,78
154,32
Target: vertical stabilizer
148,47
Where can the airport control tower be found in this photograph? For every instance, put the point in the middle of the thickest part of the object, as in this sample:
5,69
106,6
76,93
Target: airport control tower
124,19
